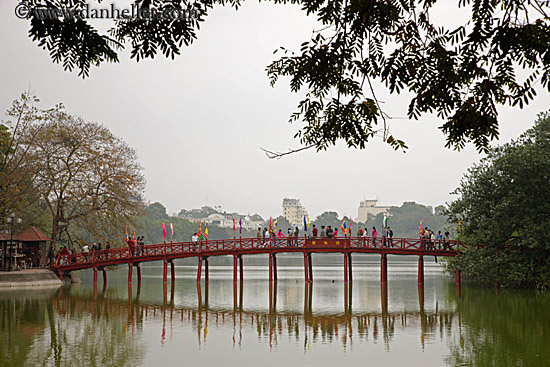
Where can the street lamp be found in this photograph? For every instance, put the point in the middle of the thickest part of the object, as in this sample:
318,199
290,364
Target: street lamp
12,220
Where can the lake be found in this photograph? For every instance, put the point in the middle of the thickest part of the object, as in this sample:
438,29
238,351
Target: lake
288,323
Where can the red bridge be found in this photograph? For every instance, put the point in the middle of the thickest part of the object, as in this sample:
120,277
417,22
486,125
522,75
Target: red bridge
168,252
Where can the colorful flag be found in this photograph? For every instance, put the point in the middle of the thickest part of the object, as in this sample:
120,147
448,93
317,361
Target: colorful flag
240,226
349,229
205,231
200,229
385,222
126,231
305,224
420,226
233,224
343,226
275,226
134,233
163,230
459,225
172,228
270,226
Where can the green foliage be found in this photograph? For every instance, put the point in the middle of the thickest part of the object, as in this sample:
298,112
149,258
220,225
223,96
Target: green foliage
504,203
461,74
404,220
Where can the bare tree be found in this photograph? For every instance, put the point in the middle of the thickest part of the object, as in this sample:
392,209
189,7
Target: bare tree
86,176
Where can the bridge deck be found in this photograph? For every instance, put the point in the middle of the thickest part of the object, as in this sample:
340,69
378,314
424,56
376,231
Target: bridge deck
248,246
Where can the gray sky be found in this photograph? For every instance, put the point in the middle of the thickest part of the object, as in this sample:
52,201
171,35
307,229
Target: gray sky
198,122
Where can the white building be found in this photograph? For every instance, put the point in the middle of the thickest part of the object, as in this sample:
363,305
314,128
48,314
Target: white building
370,208
293,211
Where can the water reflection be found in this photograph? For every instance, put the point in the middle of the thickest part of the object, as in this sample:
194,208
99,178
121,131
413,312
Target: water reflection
234,323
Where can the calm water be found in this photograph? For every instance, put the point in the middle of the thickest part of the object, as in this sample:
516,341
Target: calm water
290,324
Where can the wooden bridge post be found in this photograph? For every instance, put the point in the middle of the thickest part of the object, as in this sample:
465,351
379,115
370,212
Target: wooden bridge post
306,268
104,276
138,270
350,277
270,268
235,269
95,275
206,268
130,266
345,268
310,263
241,271
384,269
274,268
458,280
421,269
199,270
165,271
173,271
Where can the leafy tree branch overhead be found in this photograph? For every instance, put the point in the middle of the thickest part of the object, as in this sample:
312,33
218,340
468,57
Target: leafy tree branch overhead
461,74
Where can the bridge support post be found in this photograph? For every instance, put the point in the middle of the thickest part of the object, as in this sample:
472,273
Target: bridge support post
173,271
306,268
241,271
199,270
458,280
104,276
384,269
345,268
270,268
274,268
310,263
130,266
95,275
421,269
234,268
138,270
165,271
350,277
206,268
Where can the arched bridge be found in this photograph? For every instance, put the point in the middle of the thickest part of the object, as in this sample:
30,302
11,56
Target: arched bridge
134,255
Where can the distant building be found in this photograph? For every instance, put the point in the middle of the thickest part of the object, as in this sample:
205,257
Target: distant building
370,208
215,216
294,212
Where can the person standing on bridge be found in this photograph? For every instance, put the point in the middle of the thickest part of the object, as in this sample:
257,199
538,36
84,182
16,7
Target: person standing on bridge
390,236
314,231
323,231
374,235
329,232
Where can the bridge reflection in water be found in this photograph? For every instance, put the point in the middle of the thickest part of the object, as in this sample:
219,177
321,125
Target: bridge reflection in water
312,326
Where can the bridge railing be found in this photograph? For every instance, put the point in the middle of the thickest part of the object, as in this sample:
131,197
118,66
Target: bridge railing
211,247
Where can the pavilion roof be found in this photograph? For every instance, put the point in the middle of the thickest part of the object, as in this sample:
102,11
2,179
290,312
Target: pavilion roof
32,234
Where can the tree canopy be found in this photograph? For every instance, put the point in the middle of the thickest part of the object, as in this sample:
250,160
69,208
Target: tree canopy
460,73
78,171
504,205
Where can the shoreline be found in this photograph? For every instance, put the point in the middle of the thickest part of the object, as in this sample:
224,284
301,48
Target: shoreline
29,278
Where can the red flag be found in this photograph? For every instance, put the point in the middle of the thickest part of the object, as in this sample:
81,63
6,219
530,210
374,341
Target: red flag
163,230
233,224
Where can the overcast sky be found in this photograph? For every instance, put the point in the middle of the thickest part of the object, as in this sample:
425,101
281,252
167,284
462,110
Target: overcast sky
198,122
